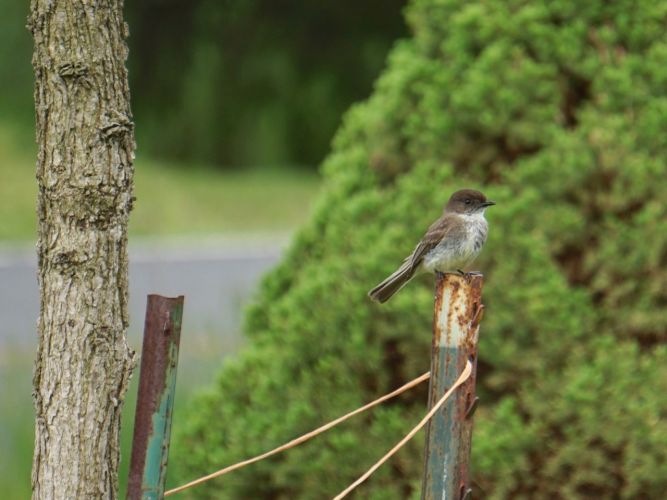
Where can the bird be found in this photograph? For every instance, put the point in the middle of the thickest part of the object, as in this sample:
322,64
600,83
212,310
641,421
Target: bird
450,244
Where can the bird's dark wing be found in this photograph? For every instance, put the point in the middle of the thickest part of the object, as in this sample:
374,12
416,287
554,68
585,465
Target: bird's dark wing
442,229
446,229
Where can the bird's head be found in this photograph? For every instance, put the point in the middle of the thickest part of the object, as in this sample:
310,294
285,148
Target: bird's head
468,202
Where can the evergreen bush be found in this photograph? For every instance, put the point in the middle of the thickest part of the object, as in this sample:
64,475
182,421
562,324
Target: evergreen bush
556,110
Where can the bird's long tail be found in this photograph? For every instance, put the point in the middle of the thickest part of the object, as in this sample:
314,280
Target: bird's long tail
392,284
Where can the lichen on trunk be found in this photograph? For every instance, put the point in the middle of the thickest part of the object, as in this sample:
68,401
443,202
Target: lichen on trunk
84,172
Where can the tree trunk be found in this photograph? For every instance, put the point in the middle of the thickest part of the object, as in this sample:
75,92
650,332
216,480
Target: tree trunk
84,171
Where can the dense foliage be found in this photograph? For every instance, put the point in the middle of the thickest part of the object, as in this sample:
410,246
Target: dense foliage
257,82
556,109
231,82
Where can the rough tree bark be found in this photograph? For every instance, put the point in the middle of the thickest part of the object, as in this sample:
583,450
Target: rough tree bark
84,172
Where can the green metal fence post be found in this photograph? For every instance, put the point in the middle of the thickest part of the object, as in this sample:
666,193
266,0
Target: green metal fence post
458,311
155,401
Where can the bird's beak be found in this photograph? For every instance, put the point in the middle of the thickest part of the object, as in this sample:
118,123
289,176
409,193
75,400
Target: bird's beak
488,203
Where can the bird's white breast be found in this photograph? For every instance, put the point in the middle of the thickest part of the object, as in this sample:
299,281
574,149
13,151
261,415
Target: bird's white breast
477,229
457,253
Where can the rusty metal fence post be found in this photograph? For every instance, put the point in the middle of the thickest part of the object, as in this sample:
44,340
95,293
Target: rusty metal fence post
458,310
155,400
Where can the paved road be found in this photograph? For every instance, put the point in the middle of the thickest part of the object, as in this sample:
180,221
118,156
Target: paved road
217,277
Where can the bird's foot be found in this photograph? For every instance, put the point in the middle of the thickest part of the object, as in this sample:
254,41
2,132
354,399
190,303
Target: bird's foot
469,275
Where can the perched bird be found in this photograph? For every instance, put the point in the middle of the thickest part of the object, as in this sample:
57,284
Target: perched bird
451,243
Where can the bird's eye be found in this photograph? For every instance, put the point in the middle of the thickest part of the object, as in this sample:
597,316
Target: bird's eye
468,201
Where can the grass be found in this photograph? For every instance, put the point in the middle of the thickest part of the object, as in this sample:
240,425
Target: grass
197,200
18,189
172,199
16,421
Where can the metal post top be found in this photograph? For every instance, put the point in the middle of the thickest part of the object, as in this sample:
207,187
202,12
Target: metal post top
457,300
467,280
154,297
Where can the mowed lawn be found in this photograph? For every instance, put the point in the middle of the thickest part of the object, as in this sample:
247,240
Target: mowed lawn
172,199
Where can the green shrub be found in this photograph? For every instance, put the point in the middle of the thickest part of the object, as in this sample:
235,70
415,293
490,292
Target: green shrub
557,110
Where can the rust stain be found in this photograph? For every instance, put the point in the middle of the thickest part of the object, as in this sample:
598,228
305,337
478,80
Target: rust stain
159,336
439,296
452,282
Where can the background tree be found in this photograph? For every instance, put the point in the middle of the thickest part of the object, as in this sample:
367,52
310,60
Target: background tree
84,172
253,82
233,83
557,110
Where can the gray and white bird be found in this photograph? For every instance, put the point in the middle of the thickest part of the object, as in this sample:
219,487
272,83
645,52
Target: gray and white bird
451,243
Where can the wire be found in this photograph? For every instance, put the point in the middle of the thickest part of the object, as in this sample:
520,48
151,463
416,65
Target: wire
462,378
305,437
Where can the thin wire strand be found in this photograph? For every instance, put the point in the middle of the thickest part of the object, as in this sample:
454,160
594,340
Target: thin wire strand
462,378
303,438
